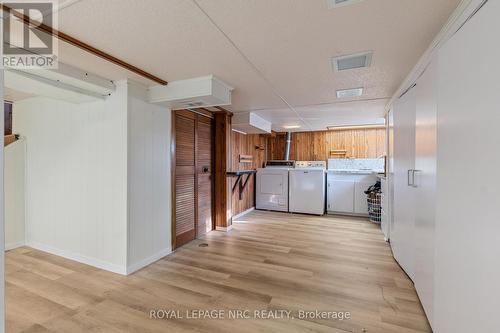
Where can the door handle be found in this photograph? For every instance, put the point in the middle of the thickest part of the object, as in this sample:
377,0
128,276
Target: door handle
413,177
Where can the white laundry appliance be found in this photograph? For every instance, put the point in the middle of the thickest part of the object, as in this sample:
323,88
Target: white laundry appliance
271,188
307,187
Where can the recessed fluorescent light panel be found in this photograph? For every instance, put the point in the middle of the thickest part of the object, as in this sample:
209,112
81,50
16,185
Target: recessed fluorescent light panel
347,93
350,127
352,61
238,131
339,3
291,126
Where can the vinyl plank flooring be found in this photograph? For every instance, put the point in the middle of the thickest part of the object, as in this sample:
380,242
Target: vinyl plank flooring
269,261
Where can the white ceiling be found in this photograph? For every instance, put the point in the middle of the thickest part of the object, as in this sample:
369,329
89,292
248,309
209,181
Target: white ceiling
290,42
13,95
322,116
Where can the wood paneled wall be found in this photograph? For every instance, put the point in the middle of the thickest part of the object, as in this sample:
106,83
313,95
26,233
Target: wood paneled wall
306,146
246,145
317,146
222,186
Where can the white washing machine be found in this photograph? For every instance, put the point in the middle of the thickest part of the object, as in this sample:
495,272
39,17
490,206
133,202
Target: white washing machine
271,188
307,187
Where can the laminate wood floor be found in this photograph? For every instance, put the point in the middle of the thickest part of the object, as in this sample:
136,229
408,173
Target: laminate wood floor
269,261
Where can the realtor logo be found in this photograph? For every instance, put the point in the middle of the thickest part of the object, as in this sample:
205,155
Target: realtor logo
28,34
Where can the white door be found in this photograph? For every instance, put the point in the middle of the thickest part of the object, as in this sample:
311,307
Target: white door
467,239
402,233
390,174
425,186
384,225
341,198
307,191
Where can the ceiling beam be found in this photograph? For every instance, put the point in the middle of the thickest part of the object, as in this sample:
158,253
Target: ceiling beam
84,46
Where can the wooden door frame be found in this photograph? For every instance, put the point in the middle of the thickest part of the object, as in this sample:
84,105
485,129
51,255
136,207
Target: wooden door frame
173,183
173,164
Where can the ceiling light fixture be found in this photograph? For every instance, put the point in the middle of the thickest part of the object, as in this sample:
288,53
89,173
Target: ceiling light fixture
347,93
238,131
352,61
291,126
339,3
354,127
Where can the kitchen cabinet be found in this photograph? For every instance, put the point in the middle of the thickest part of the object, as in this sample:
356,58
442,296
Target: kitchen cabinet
346,192
340,195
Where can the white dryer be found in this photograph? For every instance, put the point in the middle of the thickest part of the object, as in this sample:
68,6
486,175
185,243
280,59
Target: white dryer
307,188
271,188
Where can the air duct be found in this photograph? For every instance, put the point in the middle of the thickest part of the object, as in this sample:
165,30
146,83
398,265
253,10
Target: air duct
287,145
250,123
198,92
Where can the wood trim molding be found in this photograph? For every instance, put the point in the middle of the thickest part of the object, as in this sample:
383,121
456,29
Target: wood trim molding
222,186
173,182
220,108
82,45
196,184
203,112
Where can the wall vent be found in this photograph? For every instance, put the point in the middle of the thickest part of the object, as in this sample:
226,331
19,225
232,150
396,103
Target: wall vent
339,3
352,61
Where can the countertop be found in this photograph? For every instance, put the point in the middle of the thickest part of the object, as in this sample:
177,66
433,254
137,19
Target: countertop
357,172
241,172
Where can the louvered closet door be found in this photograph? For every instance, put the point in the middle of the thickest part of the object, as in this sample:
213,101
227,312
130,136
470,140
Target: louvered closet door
204,174
185,173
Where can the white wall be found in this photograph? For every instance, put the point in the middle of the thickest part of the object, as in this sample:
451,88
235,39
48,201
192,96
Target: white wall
14,168
98,178
76,177
149,193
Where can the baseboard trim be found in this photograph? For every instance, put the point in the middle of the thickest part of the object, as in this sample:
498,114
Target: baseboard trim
79,258
14,245
235,217
225,229
148,261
